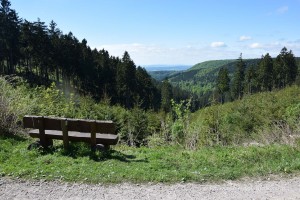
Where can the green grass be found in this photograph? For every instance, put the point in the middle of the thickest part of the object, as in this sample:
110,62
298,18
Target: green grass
126,164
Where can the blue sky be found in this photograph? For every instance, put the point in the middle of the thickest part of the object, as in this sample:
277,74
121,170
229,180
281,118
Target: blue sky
175,31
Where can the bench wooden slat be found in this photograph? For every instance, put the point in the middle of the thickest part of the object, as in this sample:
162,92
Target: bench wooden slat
80,125
50,123
107,139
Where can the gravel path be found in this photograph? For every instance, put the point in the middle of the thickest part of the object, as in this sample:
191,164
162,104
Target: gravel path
246,189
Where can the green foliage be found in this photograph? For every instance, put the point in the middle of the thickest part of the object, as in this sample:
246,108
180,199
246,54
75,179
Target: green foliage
223,82
161,75
166,96
43,54
14,103
133,126
181,113
137,127
254,118
211,64
285,69
237,86
265,73
200,80
251,82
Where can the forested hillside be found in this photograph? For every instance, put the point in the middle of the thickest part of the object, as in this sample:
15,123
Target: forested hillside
201,80
161,75
43,54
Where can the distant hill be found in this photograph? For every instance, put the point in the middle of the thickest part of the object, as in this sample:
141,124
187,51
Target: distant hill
160,72
200,79
150,68
211,64
161,75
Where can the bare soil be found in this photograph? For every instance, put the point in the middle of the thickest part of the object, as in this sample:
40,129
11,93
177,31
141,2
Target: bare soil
263,188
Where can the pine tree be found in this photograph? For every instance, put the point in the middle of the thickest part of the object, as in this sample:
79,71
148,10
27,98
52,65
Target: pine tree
9,37
54,52
251,80
223,81
145,90
126,81
265,73
238,79
285,69
166,96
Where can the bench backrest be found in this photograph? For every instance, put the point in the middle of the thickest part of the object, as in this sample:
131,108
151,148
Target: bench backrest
80,125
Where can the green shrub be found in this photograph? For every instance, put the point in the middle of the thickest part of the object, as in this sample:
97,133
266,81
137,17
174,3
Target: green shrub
14,103
267,117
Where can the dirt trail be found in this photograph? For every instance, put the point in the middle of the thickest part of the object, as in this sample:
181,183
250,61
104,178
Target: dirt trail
246,189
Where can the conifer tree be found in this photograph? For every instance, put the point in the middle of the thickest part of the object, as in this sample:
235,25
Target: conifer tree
166,96
223,81
265,73
251,80
9,37
285,69
238,79
126,80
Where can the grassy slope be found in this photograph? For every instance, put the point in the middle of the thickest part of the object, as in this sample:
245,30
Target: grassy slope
264,117
162,164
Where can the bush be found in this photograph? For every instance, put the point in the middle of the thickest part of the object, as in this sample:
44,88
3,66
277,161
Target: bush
267,117
12,104
134,126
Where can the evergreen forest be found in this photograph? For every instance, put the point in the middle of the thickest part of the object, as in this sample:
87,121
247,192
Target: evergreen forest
43,54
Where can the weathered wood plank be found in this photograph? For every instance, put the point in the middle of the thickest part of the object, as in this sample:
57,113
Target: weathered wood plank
106,139
80,125
42,131
93,134
64,126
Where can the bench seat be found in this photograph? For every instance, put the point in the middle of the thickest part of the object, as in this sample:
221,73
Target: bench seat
107,139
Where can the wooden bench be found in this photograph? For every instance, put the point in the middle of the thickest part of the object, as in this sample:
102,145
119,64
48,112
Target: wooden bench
90,131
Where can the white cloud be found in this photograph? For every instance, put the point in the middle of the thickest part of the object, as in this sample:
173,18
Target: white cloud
282,9
148,54
218,44
244,38
255,46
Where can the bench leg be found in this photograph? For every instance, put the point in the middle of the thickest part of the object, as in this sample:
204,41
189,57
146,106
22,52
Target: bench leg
37,144
47,143
106,147
101,147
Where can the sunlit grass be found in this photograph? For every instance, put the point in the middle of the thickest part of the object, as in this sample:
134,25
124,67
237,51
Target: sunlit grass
127,164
